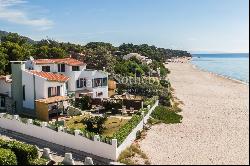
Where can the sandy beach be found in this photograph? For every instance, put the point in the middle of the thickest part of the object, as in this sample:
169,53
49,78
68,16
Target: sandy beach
215,126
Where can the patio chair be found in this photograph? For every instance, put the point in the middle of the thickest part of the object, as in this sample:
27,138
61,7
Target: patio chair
124,111
93,106
132,111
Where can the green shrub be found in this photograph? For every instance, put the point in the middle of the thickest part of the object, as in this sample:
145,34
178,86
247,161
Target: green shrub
7,157
164,98
149,101
95,124
165,83
127,155
36,122
166,115
25,153
125,130
153,121
39,161
83,103
138,134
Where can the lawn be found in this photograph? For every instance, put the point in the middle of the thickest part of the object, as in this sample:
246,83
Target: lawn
111,125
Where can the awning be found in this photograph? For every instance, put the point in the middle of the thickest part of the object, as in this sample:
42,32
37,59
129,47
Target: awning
53,99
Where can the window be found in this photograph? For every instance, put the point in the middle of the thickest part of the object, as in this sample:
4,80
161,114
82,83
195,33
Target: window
23,92
75,68
58,91
100,82
105,82
2,101
61,67
54,91
84,82
46,68
78,83
67,85
49,92
81,82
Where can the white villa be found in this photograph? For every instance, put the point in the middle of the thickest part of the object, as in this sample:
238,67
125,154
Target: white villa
141,58
40,87
82,81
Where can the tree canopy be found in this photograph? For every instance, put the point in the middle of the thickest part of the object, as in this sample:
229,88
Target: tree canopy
97,55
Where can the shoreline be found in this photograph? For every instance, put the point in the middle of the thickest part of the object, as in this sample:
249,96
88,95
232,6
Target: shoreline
218,75
215,125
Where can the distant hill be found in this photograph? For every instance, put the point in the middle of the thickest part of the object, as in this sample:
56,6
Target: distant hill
4,33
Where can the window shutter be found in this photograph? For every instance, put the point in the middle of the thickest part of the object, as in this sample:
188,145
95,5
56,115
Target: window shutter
58,91
23,92
62,67
81,82
59,68
49,92
77,83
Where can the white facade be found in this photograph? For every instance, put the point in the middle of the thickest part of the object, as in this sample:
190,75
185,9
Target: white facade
30,65
36,88
88,75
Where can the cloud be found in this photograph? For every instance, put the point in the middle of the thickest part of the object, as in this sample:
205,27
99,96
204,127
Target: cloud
19,16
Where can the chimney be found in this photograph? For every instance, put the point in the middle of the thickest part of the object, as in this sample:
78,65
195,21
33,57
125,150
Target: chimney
16,86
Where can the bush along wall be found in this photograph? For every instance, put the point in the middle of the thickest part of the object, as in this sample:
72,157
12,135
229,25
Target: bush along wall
126,129
7,157
25,153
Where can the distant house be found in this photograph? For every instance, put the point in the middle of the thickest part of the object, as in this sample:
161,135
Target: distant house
141,58
5,90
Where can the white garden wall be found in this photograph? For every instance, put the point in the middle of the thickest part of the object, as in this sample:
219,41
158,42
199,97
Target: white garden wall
74,141
132,136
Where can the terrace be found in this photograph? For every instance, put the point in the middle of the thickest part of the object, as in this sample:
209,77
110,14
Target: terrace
103,117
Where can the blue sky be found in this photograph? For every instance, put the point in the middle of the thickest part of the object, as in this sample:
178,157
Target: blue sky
193,25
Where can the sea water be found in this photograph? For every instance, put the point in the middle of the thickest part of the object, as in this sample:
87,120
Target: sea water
235,66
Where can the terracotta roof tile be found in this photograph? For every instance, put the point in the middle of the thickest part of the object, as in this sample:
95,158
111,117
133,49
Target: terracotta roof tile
50,76
68,61
7,78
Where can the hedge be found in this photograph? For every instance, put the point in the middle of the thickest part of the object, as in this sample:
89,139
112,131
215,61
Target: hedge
166,115
25,153
7,157
126,129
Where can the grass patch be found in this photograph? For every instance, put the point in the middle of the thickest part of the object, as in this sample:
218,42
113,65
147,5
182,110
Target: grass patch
112,124
75,123
128,154
167,115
